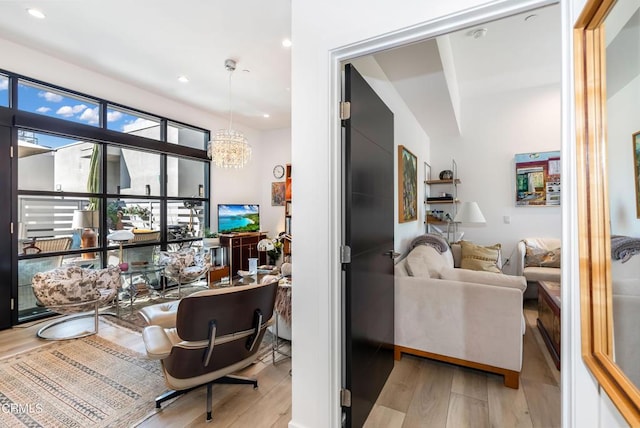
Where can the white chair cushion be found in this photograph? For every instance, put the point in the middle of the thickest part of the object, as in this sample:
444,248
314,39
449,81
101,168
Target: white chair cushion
426,261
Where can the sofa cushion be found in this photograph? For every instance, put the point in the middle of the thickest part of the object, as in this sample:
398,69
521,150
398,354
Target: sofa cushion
487,278
426,261
477,257
542,274
541,257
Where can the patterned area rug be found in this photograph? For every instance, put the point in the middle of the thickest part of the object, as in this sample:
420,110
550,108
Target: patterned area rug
87,382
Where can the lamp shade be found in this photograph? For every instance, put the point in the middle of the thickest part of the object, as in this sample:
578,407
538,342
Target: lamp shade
85,219
121,235
469,213
266,245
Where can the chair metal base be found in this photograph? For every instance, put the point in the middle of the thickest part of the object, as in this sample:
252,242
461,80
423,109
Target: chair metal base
70,327
229,379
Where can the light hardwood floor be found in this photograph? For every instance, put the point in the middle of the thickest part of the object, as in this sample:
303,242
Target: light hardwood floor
425,393
419,392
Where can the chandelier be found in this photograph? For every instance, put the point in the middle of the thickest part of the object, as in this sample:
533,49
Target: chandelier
229,148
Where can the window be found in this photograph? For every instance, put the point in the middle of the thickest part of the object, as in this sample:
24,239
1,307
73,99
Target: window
129,122
41,99
4,90
185,177
133,172
186,136
77,183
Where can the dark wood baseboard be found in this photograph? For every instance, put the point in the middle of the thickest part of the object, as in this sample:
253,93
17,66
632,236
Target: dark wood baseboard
511,377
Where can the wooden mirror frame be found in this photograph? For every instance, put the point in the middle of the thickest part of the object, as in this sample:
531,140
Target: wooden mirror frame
594,233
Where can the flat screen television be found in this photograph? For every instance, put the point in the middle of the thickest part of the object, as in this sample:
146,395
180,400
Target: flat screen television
238,218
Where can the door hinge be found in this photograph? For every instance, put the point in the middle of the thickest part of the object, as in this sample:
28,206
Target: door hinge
345,397
345,254
12,303
11,228
345,110
11,152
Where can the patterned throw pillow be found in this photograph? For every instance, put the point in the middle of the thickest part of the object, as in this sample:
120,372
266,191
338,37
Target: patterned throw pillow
540,257
477,257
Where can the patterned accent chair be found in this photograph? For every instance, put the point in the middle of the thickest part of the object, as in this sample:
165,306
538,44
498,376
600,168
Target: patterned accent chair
71,290
185,266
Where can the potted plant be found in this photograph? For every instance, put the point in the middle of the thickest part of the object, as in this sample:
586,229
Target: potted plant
210,238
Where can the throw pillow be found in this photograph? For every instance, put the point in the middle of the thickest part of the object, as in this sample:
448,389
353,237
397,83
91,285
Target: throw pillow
539,257
425,261
477,257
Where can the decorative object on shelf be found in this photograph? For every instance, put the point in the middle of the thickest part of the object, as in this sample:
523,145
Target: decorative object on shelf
121,236
229,148
538,179
277,193
86,220
210,238
408,185
278,171
447,174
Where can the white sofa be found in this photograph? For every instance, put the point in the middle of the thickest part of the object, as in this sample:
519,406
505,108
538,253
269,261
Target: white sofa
536,273
464,317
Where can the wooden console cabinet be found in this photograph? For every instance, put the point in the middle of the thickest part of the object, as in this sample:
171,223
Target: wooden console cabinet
549,317
241,247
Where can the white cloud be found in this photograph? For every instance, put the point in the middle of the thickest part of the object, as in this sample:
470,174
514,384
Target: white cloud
113,116
78,108
43,109
4,84
65,111
139,124
90,115
50,96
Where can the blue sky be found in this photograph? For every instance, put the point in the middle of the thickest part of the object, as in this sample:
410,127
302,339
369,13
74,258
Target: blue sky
59,105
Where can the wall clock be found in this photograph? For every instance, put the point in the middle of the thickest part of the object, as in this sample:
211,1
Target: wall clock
278,171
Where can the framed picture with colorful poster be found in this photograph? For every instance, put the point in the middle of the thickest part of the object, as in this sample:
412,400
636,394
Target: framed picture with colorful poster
538,179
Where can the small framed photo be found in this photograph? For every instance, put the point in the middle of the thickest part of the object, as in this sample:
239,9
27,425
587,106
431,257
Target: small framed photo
277,193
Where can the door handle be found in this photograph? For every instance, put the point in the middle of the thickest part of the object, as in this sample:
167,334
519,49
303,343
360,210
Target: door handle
392,254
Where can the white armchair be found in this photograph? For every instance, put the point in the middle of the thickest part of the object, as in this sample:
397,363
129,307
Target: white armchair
534,267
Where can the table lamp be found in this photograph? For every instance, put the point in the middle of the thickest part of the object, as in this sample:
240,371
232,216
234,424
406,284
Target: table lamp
121,236
86,220
469,213
265,245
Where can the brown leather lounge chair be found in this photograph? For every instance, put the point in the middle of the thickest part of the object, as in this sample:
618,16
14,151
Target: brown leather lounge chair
217,332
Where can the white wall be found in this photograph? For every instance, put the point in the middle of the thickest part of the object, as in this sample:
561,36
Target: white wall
497,127
407,132
622,121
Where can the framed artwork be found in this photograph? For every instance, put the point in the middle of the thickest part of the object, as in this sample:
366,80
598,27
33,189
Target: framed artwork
407,185
538,179
277,193
636,169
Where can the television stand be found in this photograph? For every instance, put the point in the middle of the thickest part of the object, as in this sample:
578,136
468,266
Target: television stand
241,247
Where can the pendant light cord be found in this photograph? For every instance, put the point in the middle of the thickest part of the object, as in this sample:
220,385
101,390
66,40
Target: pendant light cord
230,103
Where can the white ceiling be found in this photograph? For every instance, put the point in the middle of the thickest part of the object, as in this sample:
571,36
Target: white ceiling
150,43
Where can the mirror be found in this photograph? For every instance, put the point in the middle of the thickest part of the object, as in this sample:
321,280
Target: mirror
607,69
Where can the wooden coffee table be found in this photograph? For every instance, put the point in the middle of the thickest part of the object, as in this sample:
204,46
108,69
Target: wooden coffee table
549,317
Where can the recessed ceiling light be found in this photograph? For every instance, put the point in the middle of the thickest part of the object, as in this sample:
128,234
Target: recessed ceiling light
266,115
531,17
479,33
183,79
35,13
286,43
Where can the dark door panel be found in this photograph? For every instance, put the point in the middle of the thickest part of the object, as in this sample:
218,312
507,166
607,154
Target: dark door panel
5,235
368,321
